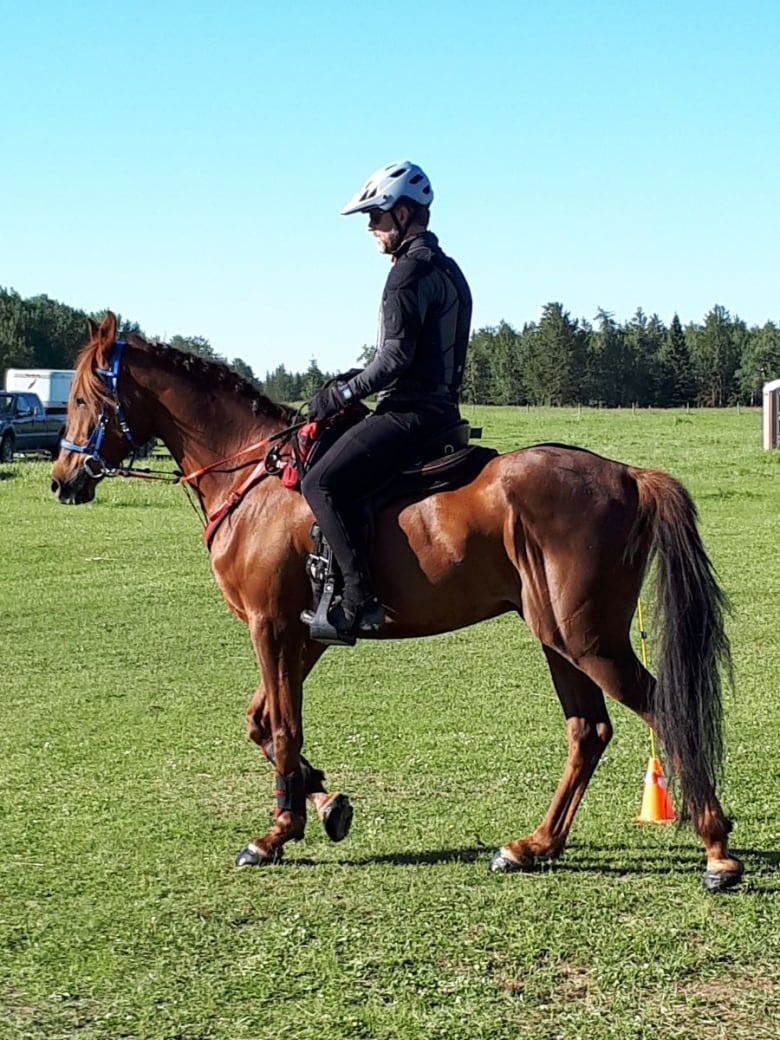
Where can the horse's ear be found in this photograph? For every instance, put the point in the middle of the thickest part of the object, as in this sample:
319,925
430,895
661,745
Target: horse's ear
108,328
106,337
92,329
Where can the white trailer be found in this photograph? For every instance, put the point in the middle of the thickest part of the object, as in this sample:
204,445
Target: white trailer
52,385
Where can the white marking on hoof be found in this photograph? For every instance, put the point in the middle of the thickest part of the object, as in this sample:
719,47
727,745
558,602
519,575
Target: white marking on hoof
503,863
251,856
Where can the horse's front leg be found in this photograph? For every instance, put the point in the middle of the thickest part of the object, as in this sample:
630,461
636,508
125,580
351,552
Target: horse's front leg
334,810
279,654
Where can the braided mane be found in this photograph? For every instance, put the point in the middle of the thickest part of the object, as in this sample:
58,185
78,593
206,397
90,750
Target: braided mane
92,390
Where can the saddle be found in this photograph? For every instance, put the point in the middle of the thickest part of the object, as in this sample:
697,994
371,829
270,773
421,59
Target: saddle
446,461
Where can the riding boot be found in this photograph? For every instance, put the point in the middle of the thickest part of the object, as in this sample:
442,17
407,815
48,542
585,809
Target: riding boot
360,610
357,612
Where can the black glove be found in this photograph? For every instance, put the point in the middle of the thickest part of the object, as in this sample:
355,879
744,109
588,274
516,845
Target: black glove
326,402
344,377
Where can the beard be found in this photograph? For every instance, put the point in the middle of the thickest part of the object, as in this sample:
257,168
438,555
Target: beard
388,241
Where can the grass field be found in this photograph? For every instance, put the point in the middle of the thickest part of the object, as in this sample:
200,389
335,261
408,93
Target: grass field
127,786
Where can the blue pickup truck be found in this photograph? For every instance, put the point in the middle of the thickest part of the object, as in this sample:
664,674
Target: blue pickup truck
25,426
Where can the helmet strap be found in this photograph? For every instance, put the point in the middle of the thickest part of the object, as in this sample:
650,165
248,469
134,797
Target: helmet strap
401,230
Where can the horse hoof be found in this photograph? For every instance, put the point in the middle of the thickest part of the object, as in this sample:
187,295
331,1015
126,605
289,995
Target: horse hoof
337,817
720,880
252,856
503,864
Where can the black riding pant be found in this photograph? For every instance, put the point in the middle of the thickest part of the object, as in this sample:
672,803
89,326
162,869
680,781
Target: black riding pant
360,462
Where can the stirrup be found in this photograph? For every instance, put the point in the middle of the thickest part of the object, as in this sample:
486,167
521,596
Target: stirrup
320,625
329,624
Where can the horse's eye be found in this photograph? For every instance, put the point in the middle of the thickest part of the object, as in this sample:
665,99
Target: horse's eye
80,402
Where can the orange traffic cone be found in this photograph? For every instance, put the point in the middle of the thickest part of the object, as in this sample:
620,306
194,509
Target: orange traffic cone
656,804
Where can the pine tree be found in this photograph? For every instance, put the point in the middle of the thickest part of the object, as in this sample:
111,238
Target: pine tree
555,358
312,380
760,362
604,382
477,374
678,384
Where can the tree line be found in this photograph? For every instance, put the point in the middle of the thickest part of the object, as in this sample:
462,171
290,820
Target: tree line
39,332
562,361
558,360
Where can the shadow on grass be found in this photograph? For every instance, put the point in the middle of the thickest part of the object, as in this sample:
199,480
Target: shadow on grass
431,857
7,474
769,859
611,859
600,860
761,873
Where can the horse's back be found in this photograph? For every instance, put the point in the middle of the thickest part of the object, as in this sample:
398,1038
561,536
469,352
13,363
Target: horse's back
552,489
561,480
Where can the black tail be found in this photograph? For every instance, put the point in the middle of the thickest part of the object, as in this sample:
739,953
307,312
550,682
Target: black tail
694,647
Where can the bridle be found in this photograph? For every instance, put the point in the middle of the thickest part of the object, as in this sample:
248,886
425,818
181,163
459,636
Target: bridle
95,466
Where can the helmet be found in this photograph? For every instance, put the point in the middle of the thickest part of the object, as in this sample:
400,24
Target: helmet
390,183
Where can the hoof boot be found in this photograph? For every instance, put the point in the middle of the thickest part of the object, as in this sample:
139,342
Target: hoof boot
252,856
720,880
337,817
502,864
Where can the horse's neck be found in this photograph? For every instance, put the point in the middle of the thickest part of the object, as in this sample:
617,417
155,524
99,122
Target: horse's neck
199,432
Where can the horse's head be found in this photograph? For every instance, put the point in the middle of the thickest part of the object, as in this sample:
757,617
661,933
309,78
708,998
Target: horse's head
97,438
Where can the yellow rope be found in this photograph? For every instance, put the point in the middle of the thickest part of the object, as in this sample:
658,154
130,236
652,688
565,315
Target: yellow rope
643,643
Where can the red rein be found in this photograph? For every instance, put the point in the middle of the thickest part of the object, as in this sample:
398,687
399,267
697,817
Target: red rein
288,471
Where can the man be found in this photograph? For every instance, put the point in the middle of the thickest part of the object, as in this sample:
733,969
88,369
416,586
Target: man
424,324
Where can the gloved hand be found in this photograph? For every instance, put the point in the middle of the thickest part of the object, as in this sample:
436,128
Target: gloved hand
326,402
344,377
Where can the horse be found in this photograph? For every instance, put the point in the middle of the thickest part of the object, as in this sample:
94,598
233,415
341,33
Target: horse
558,535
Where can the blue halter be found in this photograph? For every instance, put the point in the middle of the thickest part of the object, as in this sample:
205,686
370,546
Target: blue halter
95,465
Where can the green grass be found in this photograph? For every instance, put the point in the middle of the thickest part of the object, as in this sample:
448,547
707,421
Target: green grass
127,786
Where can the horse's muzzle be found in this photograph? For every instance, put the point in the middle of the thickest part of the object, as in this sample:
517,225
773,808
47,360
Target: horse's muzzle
76,489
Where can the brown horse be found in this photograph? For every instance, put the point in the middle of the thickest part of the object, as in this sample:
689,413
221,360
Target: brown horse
558,535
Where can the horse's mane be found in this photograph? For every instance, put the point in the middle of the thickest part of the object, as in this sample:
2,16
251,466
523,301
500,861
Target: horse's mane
92,390
87,388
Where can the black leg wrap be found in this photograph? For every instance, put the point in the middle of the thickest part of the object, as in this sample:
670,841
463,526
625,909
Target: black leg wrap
313,779
290,793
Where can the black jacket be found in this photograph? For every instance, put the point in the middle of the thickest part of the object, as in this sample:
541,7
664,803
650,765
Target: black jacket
424,325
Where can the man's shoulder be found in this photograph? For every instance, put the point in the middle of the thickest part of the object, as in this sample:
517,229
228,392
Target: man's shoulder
423,246
415,263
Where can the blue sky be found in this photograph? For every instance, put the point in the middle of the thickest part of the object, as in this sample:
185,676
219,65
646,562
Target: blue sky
185,163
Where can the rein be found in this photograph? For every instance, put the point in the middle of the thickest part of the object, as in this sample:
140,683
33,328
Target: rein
271,465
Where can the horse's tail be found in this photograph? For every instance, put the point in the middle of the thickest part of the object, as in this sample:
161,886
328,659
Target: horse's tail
693,647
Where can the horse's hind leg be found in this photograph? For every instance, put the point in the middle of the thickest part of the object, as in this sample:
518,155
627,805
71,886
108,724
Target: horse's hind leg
333,809
626,680
588,731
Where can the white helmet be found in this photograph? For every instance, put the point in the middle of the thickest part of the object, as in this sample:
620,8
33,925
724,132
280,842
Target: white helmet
390,183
